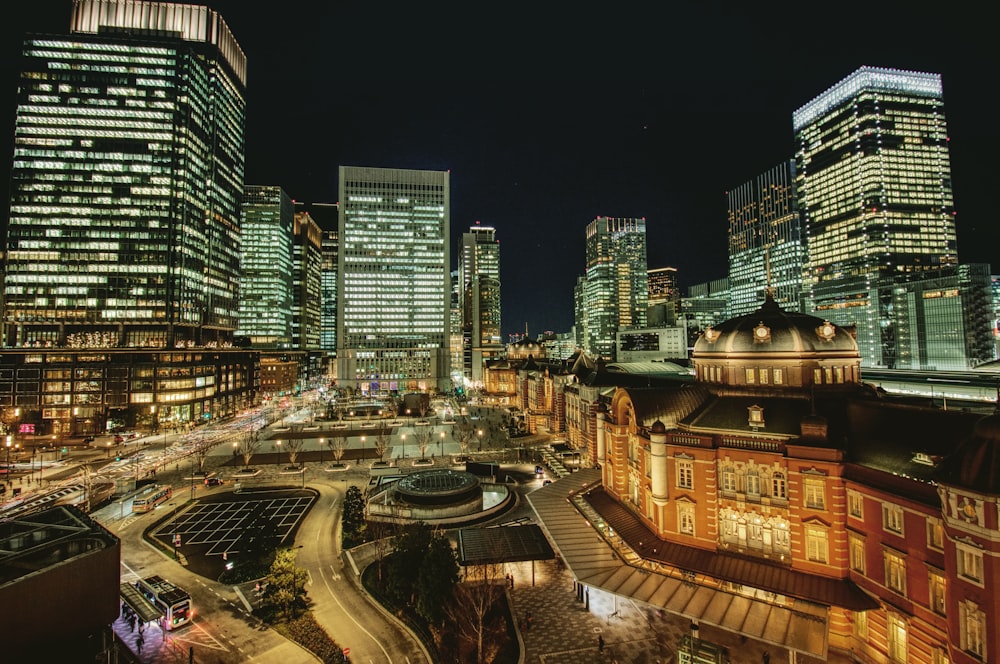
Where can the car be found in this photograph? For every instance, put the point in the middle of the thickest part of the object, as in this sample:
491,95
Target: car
214,481
546,482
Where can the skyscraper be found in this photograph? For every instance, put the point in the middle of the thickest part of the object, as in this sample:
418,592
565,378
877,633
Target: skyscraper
873,177
393,279
765,242
326,216
307,264
616,291
479,272
127,179
663,296
266,282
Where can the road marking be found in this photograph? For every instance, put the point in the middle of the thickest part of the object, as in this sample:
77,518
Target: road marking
309,574
352,618
336,575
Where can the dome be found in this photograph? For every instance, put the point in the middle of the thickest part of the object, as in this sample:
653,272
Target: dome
771,330
975,464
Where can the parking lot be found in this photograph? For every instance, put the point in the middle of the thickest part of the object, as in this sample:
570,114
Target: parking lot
209,531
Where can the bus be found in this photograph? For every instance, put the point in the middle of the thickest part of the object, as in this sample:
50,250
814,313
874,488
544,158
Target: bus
171,601
151,497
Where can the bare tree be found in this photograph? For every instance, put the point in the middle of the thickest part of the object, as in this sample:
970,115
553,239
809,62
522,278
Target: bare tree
474,598
337,445
382,440
251,443
423,436
383,533
294,446
201,452
464,435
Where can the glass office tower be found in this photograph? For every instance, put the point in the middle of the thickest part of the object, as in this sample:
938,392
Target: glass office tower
266,288
766,247
127,180
480,274
874,190
615,292
393,281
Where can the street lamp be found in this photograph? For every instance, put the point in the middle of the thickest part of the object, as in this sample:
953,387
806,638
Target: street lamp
320,451
362,448
8,445
277,444
480,434
402,437
441,445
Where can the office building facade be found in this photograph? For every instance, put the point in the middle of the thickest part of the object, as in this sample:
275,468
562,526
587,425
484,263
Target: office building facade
873,180
663,296
479,272
766,247
307,261
124,220
393,280
122,253
326,217
615,290
266,261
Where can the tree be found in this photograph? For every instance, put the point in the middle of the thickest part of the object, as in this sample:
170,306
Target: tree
423,435
353,517
411,546
251,443
337,445
436,579
294,446
465,435
382,440
201,452
473,601
286,586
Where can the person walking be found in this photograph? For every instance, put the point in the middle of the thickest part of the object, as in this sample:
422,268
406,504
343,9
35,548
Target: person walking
600,643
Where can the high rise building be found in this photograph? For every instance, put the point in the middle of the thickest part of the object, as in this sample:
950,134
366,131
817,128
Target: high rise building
127,180
479,272
766,247
393,279
307,263
122,251
616,291
266,260
326,216
663,296
873,180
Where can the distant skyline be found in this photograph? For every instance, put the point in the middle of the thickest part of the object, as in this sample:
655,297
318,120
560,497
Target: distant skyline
547,120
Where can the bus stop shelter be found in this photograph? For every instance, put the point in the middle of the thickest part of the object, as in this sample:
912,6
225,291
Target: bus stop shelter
142,607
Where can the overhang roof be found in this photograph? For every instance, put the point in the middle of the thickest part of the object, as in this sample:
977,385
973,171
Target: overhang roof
569,521
503,544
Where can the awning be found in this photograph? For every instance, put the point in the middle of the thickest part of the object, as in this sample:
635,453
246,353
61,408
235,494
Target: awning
795,624
138,603
503,544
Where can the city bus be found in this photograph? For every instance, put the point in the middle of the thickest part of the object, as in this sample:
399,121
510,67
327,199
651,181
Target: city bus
151,497
171,601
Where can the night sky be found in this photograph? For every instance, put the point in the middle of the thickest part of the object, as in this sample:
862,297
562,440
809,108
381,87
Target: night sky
548,118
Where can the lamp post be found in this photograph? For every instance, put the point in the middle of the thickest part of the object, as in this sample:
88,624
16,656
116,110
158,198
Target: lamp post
8,445
321,452
362,448
402,437
480,434
277,445
441,445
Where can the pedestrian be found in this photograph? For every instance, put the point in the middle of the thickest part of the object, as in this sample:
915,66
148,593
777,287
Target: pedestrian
600,643
511,581
766,657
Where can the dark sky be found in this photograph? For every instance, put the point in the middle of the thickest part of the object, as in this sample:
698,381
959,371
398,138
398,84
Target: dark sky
547,118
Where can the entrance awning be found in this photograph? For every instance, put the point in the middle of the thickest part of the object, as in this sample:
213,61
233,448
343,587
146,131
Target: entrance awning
138,603
504,544
796,624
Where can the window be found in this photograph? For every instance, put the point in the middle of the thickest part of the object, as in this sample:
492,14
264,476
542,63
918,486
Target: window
855,504
856,550
818,376
685,474
892,518
939,656
763,377
728,480
896,628
815,493
936,591
895,571
816,544
778,486
970,563
778,377
753,483
972,623
750,376
685,518
935,534
861,625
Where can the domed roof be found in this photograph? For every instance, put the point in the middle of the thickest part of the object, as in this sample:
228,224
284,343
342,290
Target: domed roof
771,329
975,464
